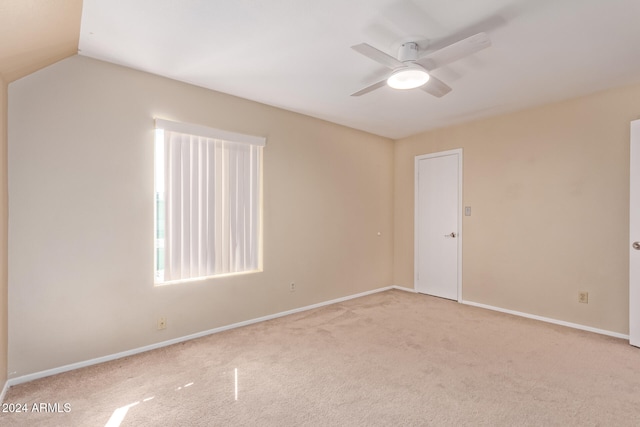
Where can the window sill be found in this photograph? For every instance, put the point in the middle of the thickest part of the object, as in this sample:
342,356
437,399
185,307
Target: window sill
199,279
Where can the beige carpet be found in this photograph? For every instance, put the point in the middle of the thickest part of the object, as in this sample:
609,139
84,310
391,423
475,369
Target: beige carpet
392,358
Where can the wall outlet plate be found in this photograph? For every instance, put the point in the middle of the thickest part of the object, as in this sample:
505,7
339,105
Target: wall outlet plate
583,297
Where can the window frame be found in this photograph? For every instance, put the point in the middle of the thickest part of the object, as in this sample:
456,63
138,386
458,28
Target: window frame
162,125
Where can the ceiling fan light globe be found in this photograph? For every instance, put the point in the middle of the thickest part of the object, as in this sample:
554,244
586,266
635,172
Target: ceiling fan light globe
408,78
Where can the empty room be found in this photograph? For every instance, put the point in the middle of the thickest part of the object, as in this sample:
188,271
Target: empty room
281,212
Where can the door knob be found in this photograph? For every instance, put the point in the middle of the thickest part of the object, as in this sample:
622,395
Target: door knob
636,246
453,234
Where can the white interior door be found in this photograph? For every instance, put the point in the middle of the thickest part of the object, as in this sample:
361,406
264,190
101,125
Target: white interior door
438,220
634,236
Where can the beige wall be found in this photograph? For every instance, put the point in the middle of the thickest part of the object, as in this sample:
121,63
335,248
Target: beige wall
3,234
81,214
549,191
40,34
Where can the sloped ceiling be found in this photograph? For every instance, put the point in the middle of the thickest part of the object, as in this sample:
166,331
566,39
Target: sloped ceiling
296,55
36,33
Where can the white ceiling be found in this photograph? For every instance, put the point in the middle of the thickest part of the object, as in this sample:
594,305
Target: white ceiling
296,55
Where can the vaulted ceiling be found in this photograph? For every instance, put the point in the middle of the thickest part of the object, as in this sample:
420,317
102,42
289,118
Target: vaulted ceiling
296,54
36,33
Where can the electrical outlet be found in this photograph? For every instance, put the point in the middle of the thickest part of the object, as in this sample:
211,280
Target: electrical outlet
292,287
583,297
162,323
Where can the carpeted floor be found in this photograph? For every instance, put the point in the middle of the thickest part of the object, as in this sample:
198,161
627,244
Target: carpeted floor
392,358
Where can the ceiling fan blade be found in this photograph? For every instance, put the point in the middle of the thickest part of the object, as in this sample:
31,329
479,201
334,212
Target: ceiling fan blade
370,88
455,51
377,55
436,87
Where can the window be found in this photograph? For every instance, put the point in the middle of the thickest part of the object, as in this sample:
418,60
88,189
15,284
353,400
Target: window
207,202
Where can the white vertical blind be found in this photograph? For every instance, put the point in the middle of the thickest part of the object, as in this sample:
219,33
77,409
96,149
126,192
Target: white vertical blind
212,192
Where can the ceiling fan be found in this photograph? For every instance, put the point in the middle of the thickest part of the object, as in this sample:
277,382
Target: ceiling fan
409,71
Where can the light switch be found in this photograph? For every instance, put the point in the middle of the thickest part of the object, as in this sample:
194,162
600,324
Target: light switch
467,211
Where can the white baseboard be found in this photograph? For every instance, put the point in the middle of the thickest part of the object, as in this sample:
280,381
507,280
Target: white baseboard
30,377
4,391
402,288
548,320
533,316
72,366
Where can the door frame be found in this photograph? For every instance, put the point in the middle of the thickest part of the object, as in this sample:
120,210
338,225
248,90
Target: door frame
634,234
458,152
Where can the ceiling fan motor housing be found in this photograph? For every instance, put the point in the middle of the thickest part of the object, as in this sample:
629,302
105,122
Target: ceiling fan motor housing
408,52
